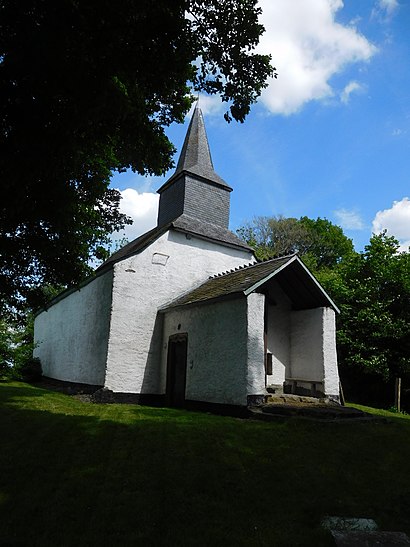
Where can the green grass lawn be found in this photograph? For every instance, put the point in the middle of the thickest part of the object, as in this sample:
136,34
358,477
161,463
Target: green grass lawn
82,474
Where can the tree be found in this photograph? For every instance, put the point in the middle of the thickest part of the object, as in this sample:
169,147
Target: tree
373,291
87,88
320,243
6,347
16,349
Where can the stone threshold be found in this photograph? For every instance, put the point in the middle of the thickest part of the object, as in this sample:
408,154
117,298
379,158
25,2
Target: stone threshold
309,410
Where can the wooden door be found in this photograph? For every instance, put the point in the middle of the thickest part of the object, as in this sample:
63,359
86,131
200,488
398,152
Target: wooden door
176,369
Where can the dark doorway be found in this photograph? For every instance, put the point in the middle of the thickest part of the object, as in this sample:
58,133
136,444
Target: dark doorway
176,369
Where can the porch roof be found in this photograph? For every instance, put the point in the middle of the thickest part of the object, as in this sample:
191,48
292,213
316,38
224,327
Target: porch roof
292,275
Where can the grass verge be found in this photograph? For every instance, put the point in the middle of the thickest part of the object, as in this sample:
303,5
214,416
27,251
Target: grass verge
82,474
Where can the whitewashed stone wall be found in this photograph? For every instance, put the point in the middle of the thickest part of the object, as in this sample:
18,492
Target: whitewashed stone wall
278,342
255,345
331,372
307,344
169,267
72,335
216,353
313,348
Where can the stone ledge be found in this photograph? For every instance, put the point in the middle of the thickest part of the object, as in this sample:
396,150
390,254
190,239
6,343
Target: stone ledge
370,539
269,412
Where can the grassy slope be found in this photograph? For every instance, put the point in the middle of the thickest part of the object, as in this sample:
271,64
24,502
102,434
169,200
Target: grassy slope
83,474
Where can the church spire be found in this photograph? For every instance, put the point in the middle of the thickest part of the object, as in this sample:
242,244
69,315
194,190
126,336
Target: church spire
195,154
195,189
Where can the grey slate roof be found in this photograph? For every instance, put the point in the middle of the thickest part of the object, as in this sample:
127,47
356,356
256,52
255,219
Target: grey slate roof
135,246
292,275
195,155
184,224
209,231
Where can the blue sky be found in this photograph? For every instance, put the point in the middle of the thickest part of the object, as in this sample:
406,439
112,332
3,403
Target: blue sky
330,138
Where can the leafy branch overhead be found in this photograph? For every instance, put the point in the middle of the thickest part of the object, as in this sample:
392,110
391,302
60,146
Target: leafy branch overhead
87,88
227,64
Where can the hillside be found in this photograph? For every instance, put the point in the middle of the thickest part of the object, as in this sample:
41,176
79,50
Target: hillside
83,474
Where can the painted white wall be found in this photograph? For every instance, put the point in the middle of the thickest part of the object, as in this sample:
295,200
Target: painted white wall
307,344
331,371
255,382
313,348
72,334
278,342
142,284
217,350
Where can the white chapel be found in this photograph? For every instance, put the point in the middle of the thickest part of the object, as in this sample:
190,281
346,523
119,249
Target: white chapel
184,315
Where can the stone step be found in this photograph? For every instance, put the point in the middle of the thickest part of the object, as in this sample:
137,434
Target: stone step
289,399
370,539
361,532
268,412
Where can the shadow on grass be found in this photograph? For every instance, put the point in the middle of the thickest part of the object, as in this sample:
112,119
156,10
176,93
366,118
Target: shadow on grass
82,474
10,390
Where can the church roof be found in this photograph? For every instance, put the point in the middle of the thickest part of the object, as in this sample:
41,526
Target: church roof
185,224
195,157
212,232
292,275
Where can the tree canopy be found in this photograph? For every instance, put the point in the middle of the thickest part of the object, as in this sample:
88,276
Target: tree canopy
319,242
87,88
373,289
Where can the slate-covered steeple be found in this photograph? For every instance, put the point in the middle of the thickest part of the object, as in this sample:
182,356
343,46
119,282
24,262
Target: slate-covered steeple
195,155
195,189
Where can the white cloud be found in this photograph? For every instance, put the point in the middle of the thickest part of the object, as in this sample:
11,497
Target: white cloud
142,208
396,221
385,9
352,87
211,104
308,48
349,220
388,5
397,132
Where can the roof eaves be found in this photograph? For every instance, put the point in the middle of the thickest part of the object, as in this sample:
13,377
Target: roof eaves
192,173
213,239
293,258
111,261
256,285
319,286
70,290
213,300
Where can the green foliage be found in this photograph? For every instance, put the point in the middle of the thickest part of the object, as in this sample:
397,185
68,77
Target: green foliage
328,244
373,291
87,88
320,243
6,347
224,35
16,346
395,410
